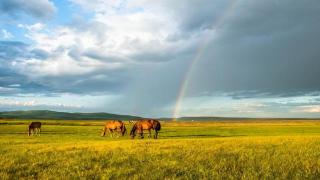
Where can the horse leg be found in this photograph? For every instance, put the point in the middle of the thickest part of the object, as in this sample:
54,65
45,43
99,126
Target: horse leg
110,132
133,134
119,132
141,134
103,132
149,135
156,134
116,132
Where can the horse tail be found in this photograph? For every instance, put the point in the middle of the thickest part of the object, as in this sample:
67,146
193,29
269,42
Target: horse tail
29,130
159,126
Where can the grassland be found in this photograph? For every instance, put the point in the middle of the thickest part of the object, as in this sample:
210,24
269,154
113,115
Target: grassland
184,150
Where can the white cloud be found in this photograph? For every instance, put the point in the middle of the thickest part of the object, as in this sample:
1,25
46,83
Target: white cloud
33,27
14,85
60,102
60,43
307,109
101,6
61,65
107,42
33,103
6,34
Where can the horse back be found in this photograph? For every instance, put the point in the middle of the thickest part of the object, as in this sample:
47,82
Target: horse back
114,124
35,125
144,124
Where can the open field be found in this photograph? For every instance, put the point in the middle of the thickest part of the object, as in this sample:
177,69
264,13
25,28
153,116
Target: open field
184,150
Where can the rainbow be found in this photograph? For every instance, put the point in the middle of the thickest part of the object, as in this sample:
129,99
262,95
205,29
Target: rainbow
204,42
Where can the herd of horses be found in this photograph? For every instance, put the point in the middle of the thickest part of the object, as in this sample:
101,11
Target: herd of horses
115,126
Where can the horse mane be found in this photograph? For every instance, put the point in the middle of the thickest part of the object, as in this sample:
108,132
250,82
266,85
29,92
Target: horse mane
157,125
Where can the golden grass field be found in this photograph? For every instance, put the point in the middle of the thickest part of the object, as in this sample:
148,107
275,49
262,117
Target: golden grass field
266,149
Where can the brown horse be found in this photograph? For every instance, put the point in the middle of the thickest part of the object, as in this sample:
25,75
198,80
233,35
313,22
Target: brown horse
34,128
141,125
114,126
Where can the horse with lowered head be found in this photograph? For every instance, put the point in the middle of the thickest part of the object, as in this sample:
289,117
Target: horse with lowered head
148,125
114,126
34,128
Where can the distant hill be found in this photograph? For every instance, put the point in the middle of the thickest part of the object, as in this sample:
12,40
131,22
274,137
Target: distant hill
208,118
203,118
54,115
213,118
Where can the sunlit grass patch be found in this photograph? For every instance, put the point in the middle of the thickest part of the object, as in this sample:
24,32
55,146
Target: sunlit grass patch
211,151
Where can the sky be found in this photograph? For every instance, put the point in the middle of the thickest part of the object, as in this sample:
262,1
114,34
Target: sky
162,58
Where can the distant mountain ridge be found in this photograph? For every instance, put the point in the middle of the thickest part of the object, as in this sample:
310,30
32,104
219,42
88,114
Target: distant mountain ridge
221,118
203,118
54,115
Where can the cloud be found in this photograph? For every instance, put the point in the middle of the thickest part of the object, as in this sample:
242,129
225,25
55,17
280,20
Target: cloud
262,48
108,45
59,102
142,51
11,49
6,34
308,109
35,8
10,104
10,78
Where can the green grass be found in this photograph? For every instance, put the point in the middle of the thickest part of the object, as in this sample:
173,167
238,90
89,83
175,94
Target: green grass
184,150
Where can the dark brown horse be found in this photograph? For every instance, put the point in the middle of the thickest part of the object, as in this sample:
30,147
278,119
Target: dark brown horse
34,128
114,126
148,125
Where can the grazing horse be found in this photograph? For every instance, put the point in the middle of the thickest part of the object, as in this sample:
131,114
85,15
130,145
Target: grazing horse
141,125
113,126
34,128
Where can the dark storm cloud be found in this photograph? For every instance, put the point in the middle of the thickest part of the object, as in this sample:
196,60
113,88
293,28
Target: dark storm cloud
100,56
95,83
35,8
13,83
200,15
263,48
11,80
256,49
15,50
12,49
151,88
